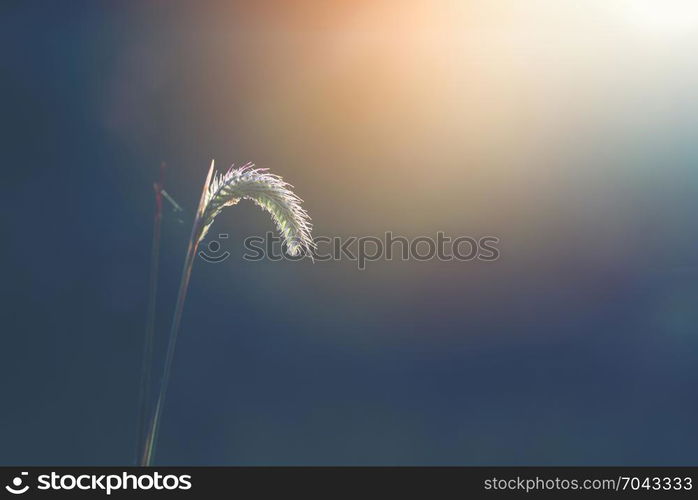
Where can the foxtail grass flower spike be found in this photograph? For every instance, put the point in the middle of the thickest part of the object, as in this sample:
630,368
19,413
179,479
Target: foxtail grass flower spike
268,191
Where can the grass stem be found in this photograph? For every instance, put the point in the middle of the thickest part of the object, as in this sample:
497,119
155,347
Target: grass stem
147,362
152,435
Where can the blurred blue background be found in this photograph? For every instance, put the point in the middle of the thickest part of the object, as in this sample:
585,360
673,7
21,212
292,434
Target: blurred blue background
567,130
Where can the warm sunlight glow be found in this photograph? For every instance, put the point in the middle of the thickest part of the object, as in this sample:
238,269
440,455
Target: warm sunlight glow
664,18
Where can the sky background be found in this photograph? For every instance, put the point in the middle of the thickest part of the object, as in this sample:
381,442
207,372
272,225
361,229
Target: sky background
567,129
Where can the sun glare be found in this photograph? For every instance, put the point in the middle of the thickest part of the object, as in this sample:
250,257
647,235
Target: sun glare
665,18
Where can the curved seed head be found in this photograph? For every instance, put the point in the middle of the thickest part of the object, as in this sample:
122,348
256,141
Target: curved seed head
268,191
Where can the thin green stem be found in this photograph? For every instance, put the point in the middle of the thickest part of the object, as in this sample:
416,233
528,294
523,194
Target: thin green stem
152,436
147,362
